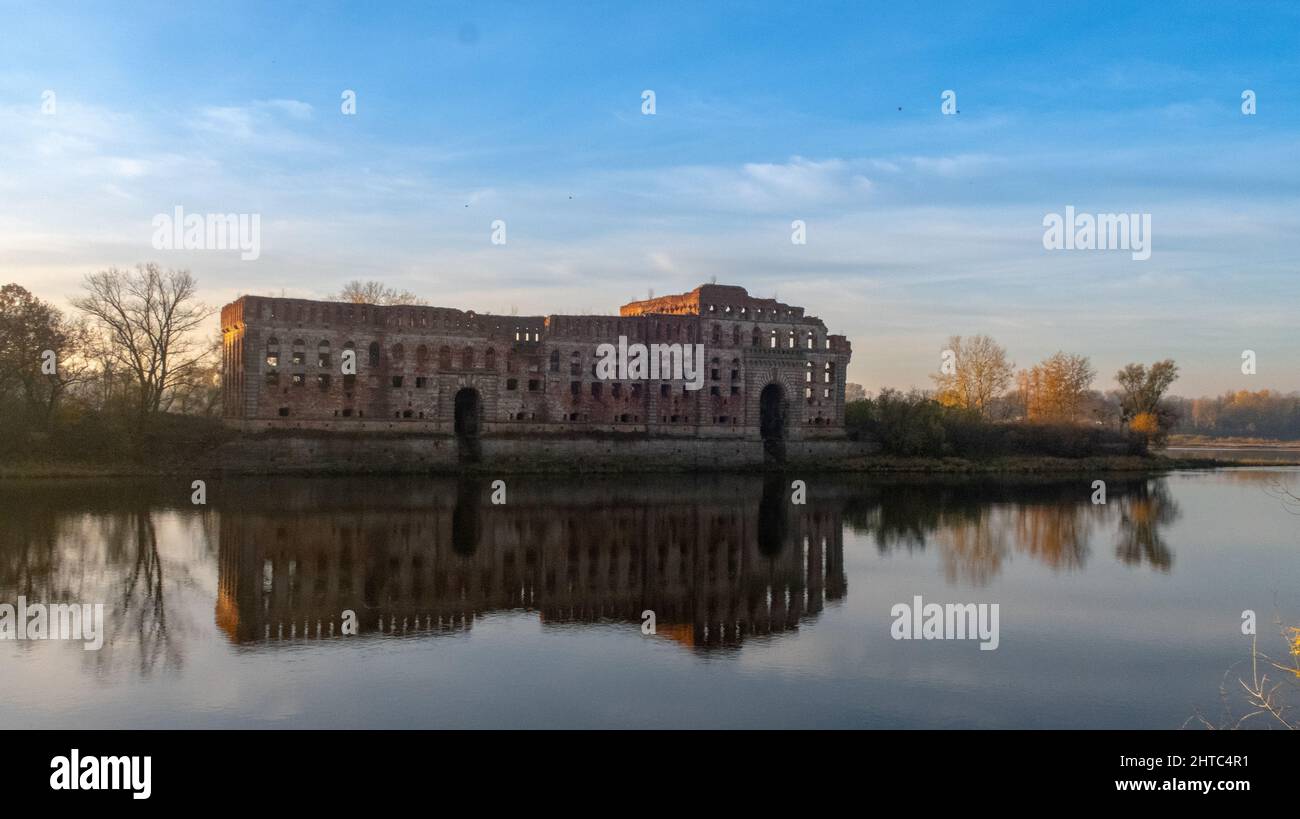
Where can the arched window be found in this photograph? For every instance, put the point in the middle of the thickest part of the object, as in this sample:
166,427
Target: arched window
421,355
735,335
555,361
273,352
374,353
490,359
299,352
444,358
757,337
575,363
830,372
323,354
399,353
467,359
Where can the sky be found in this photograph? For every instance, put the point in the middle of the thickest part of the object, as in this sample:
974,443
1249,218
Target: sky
919,224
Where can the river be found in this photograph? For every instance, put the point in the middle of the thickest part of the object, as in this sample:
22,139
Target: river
673,601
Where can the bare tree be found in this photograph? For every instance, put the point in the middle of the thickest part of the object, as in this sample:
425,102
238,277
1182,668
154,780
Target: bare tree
372,292
976,373
199,392
146,321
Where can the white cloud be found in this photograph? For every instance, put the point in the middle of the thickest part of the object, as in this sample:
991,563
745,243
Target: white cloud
761,186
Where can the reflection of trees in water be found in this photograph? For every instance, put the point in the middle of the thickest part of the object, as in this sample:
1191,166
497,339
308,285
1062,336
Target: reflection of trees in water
32,561
1142,512
973,549
130,581
977,525
98,543
139,605
1056,535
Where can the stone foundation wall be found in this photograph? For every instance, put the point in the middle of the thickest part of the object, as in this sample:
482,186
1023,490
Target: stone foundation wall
304,452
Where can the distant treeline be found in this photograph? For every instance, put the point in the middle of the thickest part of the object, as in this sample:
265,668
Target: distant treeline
1262,414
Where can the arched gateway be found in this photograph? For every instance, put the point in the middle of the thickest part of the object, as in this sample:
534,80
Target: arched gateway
772,421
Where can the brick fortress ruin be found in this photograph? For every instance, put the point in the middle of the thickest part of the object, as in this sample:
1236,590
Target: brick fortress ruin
772,373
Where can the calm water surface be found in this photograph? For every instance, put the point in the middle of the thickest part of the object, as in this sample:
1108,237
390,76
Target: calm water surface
529,614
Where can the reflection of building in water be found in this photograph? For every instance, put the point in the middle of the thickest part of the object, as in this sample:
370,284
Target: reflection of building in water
737,559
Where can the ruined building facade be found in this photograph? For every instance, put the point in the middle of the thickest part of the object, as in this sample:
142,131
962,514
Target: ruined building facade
770,371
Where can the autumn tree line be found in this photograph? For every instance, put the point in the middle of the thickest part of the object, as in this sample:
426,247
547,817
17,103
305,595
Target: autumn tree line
982,405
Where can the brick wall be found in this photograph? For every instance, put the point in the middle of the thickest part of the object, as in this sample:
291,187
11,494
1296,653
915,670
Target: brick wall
283,367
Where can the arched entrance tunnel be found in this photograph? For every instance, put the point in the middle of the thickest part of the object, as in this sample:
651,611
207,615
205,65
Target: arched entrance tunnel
468,412
772,421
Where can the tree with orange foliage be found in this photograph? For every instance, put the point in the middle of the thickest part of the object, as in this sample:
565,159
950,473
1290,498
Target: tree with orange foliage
1056,388
1141,391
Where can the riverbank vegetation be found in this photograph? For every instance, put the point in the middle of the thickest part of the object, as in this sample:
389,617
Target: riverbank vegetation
982,407
128,377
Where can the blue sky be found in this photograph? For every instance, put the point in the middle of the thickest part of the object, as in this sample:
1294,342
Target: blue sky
919,225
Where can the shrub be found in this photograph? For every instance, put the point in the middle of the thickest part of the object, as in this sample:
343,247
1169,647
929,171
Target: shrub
915,425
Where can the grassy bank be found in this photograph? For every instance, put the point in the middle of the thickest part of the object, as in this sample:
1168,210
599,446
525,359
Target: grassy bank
1230,442
882,464
913,439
